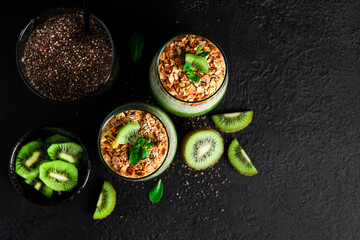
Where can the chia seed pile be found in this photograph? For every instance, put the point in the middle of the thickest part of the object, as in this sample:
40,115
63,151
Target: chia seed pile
62,63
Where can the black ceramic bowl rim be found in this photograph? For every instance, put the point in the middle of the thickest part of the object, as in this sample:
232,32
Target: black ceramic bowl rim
60,10
13,175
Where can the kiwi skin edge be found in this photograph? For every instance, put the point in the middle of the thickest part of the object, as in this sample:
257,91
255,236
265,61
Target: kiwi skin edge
237,129
114,201
249,175
186,138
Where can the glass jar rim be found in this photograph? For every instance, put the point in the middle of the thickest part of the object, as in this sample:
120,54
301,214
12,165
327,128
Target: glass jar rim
45,15
111,115
158,74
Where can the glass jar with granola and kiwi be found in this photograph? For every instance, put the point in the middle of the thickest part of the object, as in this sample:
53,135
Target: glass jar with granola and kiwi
189,75
137,141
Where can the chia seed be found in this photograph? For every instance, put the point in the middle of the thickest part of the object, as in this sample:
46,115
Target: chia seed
63,63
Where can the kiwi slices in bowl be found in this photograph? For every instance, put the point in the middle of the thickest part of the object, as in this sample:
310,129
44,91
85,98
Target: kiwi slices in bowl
44,179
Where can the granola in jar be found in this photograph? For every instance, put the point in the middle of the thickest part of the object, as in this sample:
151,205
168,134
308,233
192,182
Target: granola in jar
175,80
117,156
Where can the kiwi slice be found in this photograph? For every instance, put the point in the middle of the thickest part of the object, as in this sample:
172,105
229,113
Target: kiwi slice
240,160
56,138
106,202
59,175
232,122
40,186
70,152
202,148
128,133
197,63
29,158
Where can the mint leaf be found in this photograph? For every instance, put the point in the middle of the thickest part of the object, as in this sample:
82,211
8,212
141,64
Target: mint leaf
187,67
145,153
135,148
134,156
156,192
141,140
136,46
193,77
204,54
199,50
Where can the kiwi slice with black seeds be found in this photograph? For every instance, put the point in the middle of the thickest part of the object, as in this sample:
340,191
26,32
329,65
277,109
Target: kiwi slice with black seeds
128,133
29,158
232,122
197,63
106,201
70,152
240,160
59,175
40,186
202,148
56,138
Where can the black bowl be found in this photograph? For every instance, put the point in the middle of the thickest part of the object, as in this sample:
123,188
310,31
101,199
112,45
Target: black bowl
30,193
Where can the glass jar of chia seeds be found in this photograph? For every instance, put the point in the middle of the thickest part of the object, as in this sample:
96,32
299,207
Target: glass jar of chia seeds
61,62
132,122
176,92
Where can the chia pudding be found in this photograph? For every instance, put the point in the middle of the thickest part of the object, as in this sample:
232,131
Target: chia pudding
61,62
175,90
154,125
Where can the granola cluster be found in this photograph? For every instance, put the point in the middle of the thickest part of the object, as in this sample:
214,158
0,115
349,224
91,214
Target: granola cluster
174,79
118,156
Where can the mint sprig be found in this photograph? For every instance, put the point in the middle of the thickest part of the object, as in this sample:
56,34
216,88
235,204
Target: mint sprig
187,69
139,151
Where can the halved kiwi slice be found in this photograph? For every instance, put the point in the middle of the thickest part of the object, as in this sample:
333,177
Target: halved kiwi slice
56,138
202,148
240,160
59,175
70,152
29,158
232,122
40,186
128,133
106,202
197,63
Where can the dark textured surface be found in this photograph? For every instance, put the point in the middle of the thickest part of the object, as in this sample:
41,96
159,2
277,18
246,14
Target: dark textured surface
296,64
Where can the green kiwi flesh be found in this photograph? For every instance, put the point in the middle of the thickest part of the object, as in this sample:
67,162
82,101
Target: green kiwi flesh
29,158
240,160
56,138
198,63
232,122
128,133
70,152
106,201
40,186
202,148
59,175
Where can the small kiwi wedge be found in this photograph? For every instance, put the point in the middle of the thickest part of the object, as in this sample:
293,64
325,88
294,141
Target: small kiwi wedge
232,122
106,201
197,63
202,148
56,138
29,158
40,186
59,175
128,133
240,160
70,152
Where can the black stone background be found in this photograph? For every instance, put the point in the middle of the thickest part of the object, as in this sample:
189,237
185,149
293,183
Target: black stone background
295,64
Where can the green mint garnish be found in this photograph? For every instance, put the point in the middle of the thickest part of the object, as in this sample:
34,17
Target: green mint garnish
189,73
156,192
136,46
139,151
199,50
